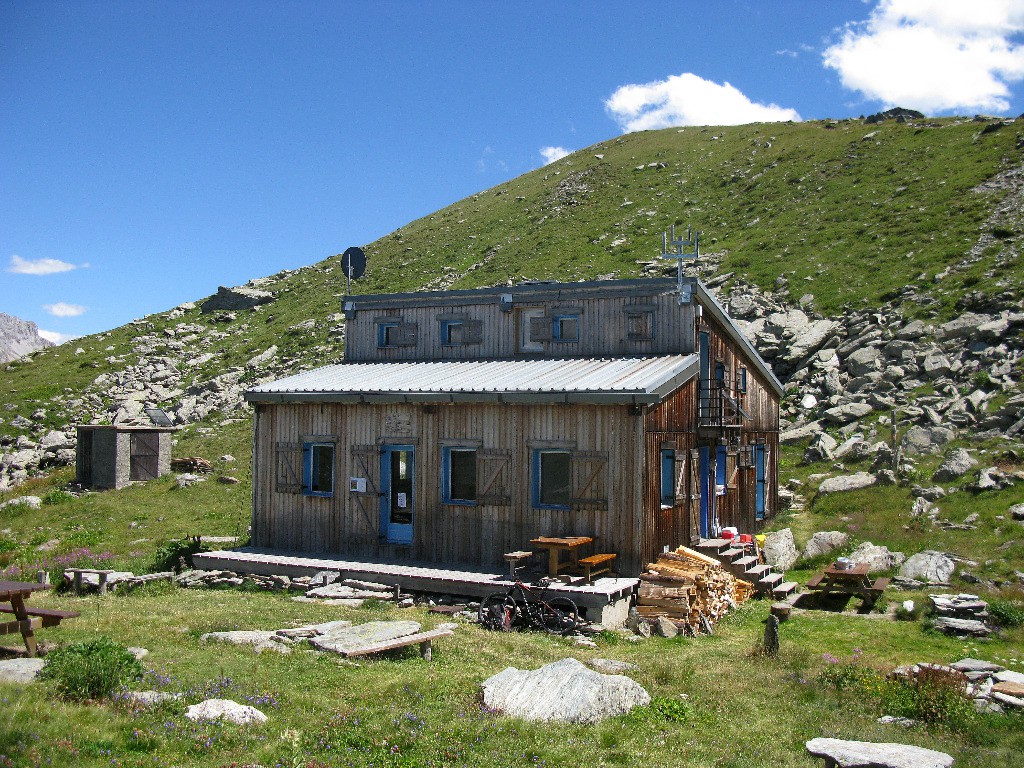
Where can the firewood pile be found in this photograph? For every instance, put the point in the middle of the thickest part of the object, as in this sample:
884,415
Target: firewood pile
690,589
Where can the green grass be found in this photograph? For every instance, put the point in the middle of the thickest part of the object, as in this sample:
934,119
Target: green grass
740,709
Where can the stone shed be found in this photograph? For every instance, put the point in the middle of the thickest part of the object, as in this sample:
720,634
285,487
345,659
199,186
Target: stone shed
112,456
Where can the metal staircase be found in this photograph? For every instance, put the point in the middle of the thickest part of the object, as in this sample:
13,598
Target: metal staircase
746,566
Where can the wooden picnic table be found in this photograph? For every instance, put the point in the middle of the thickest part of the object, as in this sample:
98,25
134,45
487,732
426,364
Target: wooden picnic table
853,580
557,544
13,595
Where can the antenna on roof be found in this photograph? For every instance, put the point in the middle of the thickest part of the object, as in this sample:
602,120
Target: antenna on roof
353,263
678,252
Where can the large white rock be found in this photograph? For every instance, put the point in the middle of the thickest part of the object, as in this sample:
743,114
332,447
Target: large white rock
564,690
878,557
824,542
868,754
957,464
225,709
843,483
930,567
260,640
921,440
780,549
19,670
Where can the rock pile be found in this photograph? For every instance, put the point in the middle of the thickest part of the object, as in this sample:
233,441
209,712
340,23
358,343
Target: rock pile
993,688
962,615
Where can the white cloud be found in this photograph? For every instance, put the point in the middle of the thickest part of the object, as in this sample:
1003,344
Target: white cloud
55,337
20,266
934,55
62,309
551,154
687,99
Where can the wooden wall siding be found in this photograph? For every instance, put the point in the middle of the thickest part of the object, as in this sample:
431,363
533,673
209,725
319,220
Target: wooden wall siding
760,401
604,329
444,533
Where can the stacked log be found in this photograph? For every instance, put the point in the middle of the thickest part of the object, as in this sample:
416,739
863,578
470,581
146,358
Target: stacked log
690,589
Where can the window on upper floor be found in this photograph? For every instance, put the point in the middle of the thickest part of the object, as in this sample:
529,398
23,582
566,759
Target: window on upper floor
639,325
566,328
395,333
456,331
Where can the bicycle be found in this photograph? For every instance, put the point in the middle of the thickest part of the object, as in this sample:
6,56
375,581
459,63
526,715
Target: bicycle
523,606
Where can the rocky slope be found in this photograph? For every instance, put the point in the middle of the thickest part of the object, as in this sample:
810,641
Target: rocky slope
18,338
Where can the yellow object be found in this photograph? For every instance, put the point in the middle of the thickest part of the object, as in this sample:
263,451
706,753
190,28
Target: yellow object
760,539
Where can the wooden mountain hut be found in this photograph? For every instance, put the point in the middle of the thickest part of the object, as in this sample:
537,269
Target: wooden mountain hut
462,424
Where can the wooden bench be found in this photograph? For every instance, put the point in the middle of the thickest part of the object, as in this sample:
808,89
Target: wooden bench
77,575
595,564
815,581
51,617
514,559
879,585
423,638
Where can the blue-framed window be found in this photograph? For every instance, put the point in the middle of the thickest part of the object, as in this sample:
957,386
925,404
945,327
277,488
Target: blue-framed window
451,332
458,475
566,328
743,379
389,334
668,477
318,469
759,481
552,479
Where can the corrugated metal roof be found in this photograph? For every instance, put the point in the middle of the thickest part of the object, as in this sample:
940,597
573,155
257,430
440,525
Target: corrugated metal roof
607,380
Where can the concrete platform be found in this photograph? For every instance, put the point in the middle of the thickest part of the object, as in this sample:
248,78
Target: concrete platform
606,601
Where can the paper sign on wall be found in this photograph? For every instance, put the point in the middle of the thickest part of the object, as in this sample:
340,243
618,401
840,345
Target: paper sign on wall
403,501
357,484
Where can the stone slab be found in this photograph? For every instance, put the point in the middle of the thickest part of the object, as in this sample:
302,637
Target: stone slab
867,754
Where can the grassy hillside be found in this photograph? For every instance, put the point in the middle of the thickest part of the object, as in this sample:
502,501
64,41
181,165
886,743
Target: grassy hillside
849,213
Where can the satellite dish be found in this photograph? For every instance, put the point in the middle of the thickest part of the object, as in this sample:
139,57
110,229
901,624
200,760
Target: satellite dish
353,261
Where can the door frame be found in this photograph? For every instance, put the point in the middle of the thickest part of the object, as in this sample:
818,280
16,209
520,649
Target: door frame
396,533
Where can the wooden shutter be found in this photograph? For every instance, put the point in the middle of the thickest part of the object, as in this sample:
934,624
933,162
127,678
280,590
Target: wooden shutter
541,328
695,474
589,479
682,477
365,462
288,471
406,335
493,477
472,331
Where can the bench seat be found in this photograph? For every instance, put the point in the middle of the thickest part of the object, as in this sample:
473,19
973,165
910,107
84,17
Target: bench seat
879,585
51,616
815,581
595,564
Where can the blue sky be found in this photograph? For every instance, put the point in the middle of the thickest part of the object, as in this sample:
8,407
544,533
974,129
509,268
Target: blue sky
151,151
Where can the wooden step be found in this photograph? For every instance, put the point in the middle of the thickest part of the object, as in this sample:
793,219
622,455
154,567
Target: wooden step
730,554
784,590
745,562
713,546
769,581
758,571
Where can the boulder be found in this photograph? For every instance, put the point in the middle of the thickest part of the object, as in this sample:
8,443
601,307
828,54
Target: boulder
798,434
924,440
844,483
780,549
564,691
235,299
821,448
878,558
225,709
824,542
20,671
928,566
864,361
1016,512
844,414
260,640
869,754
809,339
949,625
956,464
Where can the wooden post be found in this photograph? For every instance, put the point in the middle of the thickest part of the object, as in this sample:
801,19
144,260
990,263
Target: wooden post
425,651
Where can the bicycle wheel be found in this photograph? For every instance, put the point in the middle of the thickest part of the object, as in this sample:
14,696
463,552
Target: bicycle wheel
497,612
561,615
